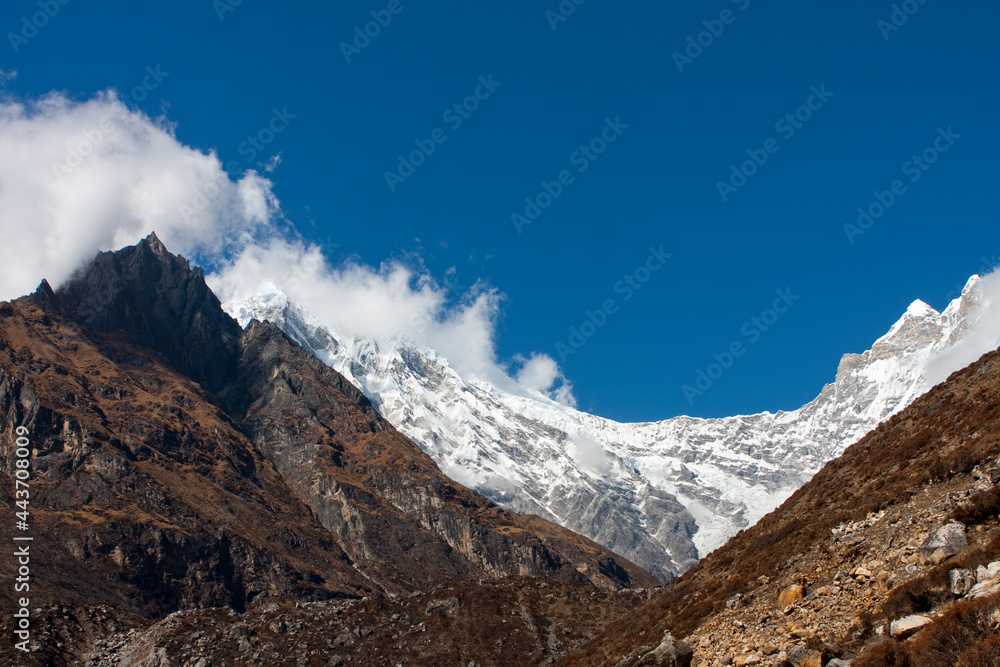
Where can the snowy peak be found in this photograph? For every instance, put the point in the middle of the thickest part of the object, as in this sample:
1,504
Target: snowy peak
920,309
660,493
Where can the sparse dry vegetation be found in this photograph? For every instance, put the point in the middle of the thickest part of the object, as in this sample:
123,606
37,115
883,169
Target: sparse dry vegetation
981,507
930,590
965,634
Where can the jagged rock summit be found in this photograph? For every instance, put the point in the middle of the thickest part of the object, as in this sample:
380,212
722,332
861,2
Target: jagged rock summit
158,299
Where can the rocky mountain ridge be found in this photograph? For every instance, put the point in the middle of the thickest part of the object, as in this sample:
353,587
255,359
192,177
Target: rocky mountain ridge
179,461
661,493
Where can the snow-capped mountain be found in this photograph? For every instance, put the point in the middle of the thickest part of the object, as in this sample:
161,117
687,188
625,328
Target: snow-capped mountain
660,493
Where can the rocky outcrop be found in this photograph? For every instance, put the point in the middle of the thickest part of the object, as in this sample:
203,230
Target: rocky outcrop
907,626
145,496
160,302
944,542
670,653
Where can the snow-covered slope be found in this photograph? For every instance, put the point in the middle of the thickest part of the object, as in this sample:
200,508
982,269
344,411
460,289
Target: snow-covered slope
660,493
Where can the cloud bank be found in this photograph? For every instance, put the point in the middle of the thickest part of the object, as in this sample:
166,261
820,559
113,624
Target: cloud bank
76,178
541,373
80,177
981,335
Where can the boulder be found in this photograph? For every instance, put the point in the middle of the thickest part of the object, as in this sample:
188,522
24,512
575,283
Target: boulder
904,627
800,656
961,581
670,653
791,595
447,606
945,542
991,571
985,588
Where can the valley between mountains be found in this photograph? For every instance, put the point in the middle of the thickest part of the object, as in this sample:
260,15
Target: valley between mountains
241,485
663,494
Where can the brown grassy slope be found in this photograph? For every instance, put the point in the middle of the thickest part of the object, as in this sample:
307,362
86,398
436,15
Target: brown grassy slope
948,431
139,481
965,635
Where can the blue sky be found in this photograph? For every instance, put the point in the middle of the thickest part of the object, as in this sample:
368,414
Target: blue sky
552,100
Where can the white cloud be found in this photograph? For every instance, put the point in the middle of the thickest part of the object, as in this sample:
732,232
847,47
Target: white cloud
7,75
399,299
273,163
590,454
981,336
541,373
79,177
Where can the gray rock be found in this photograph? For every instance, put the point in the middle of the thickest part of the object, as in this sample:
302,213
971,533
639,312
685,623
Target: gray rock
238,631
991,571
800,656
961,581
985,588
157,658
447,606
670,653
904,627
946,541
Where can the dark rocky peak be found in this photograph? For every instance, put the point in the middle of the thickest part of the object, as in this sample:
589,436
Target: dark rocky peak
155,297
44,293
